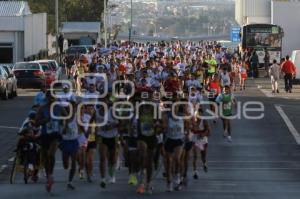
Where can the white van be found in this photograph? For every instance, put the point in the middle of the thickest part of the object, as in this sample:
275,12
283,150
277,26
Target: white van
296,60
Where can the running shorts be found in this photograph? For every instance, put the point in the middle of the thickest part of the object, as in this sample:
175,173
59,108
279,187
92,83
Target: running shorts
150,141
47,139
91,145
171,144
188,145
69,147
111,143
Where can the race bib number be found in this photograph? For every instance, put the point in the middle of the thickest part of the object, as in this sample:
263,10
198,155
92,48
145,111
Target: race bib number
225,81
228,106
71,131
52,127
176,131
212,93
147,129
92,138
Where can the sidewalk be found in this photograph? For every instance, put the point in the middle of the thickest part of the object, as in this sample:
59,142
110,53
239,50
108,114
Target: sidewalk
264,85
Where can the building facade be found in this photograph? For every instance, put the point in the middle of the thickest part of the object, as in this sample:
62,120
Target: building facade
22,34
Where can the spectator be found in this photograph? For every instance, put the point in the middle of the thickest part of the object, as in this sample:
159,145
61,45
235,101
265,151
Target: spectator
289,70
253,64
267,61
274,73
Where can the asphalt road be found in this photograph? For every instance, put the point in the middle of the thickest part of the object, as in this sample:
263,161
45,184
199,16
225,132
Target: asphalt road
262,162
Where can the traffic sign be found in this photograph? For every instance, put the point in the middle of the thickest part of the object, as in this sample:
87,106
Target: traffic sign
236,34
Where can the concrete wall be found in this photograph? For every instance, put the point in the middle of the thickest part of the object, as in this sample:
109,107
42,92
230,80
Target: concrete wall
35,35
253,20
252,11
287,15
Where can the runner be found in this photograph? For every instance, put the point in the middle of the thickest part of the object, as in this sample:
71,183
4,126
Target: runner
225,78
147,143
243,76
69,144
50,135
226,101
201,131
90,115
274,72
107,137
175,133
83,128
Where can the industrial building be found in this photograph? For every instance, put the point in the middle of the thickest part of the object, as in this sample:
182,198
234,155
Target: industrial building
81,33
284,13
22,34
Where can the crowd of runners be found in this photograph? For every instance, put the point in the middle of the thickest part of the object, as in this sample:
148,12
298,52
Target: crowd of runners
143,106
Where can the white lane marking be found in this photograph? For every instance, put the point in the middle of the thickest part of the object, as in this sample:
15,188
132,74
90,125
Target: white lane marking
266,93
289,124
9,127
2,168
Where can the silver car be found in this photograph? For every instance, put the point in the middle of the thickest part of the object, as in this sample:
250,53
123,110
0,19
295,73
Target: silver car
12,79
6,86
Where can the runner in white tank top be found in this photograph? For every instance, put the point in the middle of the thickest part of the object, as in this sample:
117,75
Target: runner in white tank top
108,139
70,146
201,132
175,133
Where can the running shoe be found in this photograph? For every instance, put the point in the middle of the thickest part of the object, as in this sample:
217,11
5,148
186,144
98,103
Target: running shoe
141,189
178,187
130,180
89,179
81,176
112,180
70,186
134,180
149,189
229,139
169,187
103,184
177,184
196,176
184,182
49,185
205,169
225,134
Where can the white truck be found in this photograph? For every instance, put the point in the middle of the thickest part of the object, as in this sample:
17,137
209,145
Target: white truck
296,60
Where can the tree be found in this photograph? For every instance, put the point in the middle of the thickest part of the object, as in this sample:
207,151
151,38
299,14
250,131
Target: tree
69,10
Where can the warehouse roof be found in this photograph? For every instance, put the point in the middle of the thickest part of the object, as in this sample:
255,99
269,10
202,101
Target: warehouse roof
79,27
14,8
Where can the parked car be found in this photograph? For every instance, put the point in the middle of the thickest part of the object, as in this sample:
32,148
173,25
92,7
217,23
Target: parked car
52,63
50,68
31,74
6,86
12,80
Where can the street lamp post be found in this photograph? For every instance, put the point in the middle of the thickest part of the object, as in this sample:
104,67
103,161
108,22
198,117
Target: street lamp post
104,24
130,27
56,25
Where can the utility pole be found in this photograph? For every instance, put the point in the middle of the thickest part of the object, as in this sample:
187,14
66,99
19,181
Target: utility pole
56,25
104,23
130,28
